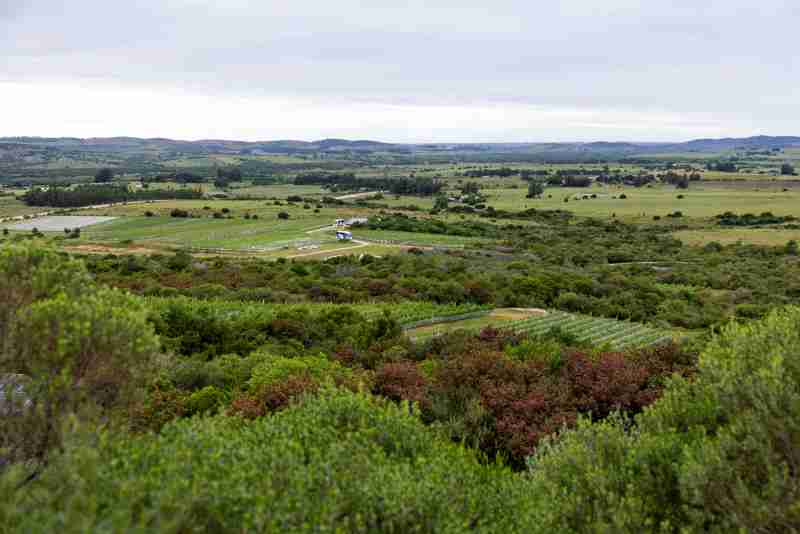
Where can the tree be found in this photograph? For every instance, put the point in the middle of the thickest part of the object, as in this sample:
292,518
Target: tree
535,189
470,188
104,175
283,215
787,169
441,203
82,349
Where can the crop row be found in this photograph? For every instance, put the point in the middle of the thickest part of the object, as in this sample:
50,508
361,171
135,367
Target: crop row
595,330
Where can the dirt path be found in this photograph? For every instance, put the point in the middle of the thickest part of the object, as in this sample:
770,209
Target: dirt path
358,195
360,244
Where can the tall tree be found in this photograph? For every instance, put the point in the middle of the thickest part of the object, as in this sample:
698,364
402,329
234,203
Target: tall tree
104,175
535,189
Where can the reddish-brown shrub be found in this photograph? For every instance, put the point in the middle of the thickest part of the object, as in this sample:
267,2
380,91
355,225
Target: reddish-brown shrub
160,407
401,381
247,407
528,401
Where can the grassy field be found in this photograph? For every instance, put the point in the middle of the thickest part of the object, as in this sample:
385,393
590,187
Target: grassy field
238,234
753,236
640,203
416,238
280,191
11,207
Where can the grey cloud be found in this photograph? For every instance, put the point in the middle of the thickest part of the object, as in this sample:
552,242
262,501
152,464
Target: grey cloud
726,57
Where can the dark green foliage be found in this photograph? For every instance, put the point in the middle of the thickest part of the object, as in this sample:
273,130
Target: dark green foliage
86,195
340,462
535,189
348,181
749,219
104,175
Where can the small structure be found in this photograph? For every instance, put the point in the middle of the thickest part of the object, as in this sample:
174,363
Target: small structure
356,220
339,222
343,235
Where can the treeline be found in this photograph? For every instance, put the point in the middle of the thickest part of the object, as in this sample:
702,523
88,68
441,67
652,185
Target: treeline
750,219
87,195
722,166
183,177
348,181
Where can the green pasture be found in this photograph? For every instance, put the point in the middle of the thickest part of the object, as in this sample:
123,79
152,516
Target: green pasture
773,237
11,207
414,238
280,191
237,234
233,232
698,201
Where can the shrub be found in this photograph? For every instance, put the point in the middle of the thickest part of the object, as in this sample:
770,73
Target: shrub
401,381
713,454
83,348
337,462
204,400
283,215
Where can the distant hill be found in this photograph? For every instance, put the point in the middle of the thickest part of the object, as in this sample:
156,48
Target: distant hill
126,146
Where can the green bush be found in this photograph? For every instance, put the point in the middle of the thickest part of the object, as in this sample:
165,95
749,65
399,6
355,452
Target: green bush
340,462
83,348
277,369
204,400
716,453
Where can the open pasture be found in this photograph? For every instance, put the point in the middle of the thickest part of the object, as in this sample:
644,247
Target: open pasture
209,233
640,203
773,237
11,207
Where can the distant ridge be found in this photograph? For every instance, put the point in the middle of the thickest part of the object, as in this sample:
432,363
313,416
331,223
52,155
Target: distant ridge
123,143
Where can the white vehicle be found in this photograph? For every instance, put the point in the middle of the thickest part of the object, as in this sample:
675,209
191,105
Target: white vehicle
343,235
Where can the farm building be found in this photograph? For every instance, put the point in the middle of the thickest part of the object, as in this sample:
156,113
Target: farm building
350,222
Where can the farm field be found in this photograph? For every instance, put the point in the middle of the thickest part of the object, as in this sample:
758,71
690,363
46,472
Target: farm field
699,201
771,237
280,191
207,232
598,331
11,207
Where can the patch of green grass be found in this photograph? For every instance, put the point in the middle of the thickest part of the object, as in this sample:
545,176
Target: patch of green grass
413,238
773,237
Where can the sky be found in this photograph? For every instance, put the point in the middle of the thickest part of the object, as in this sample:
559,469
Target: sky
400,71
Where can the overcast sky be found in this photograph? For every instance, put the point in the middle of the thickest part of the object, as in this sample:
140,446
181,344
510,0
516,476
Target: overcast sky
416,70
